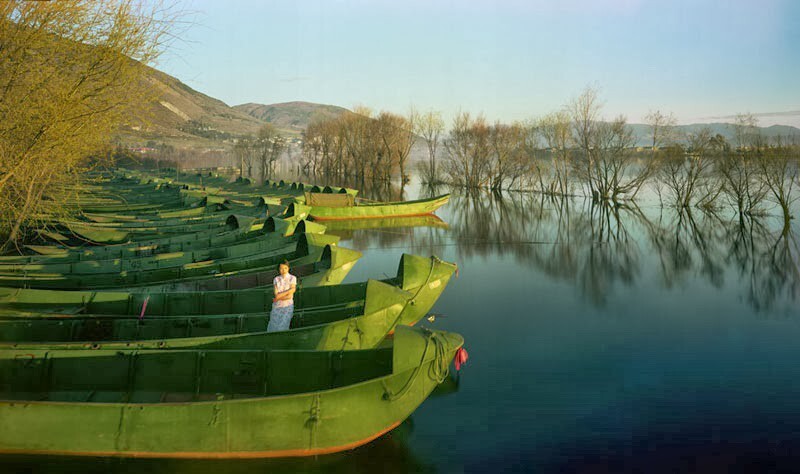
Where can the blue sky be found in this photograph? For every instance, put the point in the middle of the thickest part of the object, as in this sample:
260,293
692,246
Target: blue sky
508,59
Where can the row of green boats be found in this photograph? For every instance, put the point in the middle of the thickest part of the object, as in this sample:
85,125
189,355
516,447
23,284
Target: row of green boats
138,329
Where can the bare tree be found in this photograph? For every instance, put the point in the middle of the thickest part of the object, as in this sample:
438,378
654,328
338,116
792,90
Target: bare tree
556,130
430,127
688,174
312,147
779,173
584,111
605,162
268,145
399,132
742,184
468,151
357,132
507,144
662,129
71,73
244,150
746,132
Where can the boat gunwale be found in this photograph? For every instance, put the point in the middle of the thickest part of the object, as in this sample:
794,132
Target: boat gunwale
260,399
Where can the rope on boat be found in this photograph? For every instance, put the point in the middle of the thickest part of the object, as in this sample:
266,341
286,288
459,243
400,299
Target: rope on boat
440,367
438,370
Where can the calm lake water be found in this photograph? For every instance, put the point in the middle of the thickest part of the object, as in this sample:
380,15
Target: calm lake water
632,339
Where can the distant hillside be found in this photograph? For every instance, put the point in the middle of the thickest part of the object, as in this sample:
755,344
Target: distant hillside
186,118
642,131
293,116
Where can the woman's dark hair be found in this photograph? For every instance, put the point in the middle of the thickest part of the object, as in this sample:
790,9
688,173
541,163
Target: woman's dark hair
285,262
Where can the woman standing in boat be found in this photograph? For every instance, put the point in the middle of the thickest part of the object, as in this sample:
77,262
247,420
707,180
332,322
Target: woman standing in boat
284,286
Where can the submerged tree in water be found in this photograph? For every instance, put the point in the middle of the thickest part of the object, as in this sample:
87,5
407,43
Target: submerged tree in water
468,151
687,176
604,160
739,169
556,131
430,127
779,172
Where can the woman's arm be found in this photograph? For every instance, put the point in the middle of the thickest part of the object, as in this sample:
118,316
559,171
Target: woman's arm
285,295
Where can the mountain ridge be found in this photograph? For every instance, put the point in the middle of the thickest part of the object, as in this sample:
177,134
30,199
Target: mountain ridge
294,115
726,129
186,118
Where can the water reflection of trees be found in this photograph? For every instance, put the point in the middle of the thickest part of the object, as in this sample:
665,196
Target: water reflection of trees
484,223
764,259
422,231
685,246
597,246
781,280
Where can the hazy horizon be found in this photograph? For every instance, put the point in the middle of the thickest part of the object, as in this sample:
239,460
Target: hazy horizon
512,60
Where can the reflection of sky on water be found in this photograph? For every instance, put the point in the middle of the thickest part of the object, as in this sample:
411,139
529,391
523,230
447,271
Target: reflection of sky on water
598,331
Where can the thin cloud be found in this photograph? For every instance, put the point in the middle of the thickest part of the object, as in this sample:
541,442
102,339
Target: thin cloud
786,113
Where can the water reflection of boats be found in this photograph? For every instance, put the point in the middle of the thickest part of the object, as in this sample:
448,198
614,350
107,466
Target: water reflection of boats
448,386
426,234
345,228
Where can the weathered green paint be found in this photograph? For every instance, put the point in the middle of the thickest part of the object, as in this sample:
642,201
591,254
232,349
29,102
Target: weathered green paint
425,277
259,242
309,248
111,316
240,229
212,404
359,324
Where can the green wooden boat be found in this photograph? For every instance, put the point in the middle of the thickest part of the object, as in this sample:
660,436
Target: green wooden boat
259,242
425,277
359,324
240,229
215,404
110,268
235,231
328,267
309,248
331,316
204,213
108,234
171,204
332,206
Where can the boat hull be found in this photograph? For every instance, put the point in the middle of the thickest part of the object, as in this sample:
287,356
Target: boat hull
282,425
